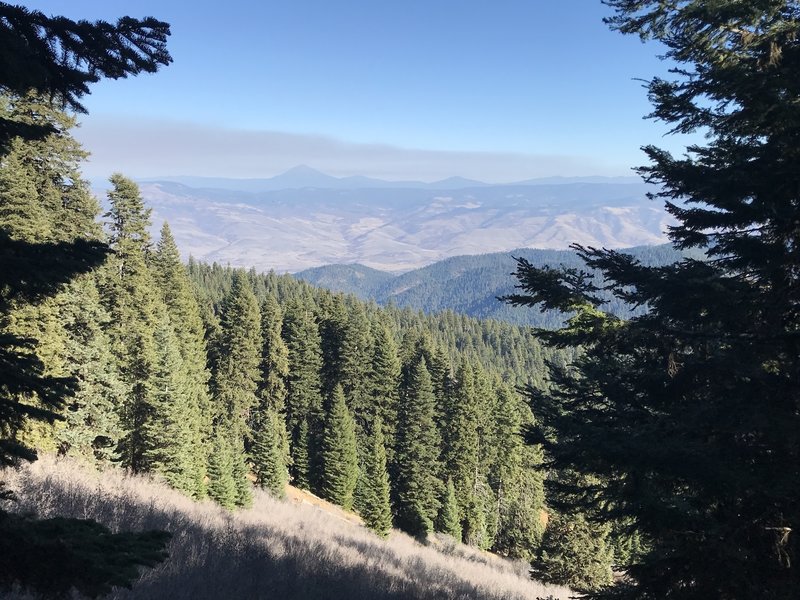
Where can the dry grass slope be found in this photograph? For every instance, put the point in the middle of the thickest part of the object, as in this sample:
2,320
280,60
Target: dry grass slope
274,550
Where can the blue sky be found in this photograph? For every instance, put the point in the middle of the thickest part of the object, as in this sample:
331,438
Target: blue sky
406,90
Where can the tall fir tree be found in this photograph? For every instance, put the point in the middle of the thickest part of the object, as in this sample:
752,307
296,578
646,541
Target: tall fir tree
384,384
449,519
339,453
236,374
304,397
184,314
686,419
56,58
375,507
417,487
169,431
515,477
461,447
130,292
221,483
48,234
91,428
270,453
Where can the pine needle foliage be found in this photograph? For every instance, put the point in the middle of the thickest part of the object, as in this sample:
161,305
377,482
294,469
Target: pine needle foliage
339,452
376,510
417,485
686,418
449,519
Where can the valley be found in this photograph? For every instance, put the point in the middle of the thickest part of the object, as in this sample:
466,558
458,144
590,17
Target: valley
396,229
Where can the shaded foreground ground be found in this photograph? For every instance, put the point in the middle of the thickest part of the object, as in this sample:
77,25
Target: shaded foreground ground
276,549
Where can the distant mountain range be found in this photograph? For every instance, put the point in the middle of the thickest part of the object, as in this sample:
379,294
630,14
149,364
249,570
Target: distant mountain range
304,218
468,285
303,176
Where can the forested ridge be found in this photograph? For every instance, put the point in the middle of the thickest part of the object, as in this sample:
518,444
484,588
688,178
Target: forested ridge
665,444
211,377
470,285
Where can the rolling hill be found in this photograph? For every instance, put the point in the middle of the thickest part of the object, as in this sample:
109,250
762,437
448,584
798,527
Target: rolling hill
466,284
314,219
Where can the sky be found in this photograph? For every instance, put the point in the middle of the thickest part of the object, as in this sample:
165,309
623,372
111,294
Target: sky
419,89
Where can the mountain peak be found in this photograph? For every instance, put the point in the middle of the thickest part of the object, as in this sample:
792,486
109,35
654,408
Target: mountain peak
303,176
302,170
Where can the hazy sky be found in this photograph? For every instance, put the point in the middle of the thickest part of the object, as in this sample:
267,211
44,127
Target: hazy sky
411,89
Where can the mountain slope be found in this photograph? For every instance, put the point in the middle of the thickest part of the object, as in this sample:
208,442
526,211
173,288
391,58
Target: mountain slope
466,284
274,550
399,229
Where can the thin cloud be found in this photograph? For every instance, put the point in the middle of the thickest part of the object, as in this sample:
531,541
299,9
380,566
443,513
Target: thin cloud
148,148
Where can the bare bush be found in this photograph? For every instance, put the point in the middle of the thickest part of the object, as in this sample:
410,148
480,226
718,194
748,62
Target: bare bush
274,550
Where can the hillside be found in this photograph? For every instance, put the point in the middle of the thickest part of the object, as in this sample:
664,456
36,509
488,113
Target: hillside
467,284
274,550
398,229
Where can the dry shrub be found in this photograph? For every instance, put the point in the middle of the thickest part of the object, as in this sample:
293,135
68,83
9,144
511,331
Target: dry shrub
274,550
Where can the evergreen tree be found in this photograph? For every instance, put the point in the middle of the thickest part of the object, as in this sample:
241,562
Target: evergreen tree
301,463
221,485
332,331
237,374
56,58
91,427
449,519
687,416
184,314
339,453
169,431
384,385
269,422
417,487
461,448
375,505
268,453
48,235
240,470
303,399
356,355
575,553
130,292
514,477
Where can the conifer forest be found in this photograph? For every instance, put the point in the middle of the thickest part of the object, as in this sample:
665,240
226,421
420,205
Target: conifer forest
645,451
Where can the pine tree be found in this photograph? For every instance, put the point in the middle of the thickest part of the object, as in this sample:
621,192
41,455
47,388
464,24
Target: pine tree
303,399
355,356
221,486
376,510
129,290
514,477
169,432
48,235
332,331
417,487
91,428
236,374
575,553
339,453
268,453
384,385
449,519
686,418
239,472
56,58
301,463
184,314
461,448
